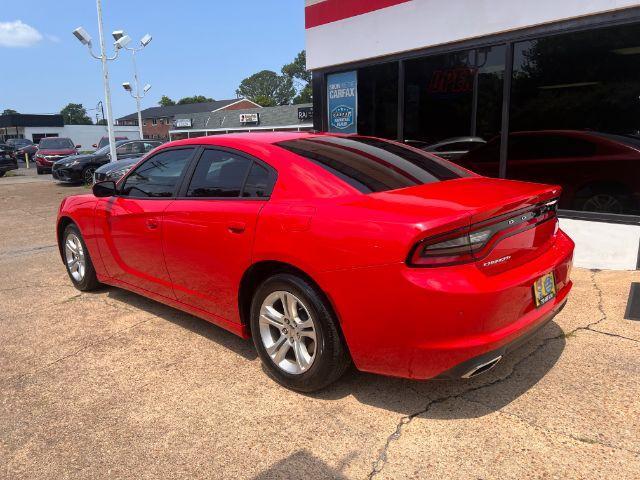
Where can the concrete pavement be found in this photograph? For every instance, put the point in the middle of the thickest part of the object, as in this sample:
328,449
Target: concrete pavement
112,385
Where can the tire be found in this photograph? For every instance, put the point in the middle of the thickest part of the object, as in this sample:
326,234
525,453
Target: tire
87,175
323,360
84,279
2,174
39,171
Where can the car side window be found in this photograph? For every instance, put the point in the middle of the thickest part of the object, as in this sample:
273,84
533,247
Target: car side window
158,176
219,174
258,183
149,146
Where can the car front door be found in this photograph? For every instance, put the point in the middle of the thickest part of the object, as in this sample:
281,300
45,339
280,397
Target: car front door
129,225
208,232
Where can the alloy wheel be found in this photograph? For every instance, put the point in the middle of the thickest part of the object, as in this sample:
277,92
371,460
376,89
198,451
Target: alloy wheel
288,332
603,203
88,176
74,254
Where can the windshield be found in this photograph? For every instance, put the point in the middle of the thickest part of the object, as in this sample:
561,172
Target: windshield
56,144
104,150
373,165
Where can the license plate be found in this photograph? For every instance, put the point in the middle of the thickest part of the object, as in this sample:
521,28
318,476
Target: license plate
544,289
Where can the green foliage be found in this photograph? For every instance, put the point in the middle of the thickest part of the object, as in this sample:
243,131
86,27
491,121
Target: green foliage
194,99
8,111
166,101
267,88
75,114
301,77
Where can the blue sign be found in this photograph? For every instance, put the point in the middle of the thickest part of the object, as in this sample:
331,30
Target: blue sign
342,95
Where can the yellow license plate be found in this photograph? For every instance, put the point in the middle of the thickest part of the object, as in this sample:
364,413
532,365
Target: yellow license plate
544,289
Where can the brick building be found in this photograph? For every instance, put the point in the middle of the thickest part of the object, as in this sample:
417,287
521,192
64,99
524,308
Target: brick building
157,121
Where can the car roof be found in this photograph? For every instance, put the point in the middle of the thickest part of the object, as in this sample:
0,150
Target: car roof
253,137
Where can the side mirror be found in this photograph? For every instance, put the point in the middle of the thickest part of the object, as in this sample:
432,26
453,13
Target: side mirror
95,145
104,189
78,146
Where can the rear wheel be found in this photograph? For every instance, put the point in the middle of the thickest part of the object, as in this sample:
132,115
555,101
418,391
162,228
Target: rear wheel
39,171
77,260
2,174
296,334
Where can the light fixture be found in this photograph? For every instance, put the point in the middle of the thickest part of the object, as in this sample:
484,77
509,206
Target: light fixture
117,34
147,87
127,86
146,40
82,35
122,42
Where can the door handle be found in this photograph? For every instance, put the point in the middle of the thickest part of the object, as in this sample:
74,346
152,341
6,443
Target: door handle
237,227
152,223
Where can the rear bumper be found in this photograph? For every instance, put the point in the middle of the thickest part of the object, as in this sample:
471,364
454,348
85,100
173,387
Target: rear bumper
424,323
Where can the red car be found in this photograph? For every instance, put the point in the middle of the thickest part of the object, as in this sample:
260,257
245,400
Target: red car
52,149
329,249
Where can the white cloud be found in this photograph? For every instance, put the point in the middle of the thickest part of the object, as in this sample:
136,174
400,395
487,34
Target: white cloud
18,34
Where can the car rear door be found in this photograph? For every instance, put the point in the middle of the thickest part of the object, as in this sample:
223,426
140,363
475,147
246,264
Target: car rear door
129,225
208,231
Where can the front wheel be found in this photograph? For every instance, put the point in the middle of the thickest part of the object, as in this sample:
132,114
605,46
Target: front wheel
296,334
87,175
2,174
77,260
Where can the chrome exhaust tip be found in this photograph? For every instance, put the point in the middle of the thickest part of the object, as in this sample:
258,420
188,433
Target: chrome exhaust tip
482,368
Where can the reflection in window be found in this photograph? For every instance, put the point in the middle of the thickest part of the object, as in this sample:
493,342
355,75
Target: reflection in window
158,176
218,174
575,117
455,99
378,100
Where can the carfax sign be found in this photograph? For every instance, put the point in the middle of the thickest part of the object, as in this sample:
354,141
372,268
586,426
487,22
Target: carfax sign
342,95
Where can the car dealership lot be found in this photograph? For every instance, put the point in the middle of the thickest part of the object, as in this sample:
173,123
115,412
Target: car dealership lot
110,384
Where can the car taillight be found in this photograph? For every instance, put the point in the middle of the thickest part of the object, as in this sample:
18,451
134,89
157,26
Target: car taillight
472,243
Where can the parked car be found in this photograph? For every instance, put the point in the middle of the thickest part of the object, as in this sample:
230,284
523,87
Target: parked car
23,147
329,249
454,148
598,172
105,141
7,160
80,168
51,149
114,171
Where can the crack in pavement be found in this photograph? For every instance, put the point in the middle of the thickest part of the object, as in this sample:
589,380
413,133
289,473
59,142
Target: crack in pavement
382,459
15,253
76,352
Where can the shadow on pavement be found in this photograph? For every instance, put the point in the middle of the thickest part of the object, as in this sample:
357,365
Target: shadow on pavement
302,464
513,376
185,320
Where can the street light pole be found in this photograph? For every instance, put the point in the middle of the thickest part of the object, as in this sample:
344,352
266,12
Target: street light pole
107,89
144,41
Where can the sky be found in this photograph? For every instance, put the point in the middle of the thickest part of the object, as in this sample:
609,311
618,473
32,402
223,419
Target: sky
203,47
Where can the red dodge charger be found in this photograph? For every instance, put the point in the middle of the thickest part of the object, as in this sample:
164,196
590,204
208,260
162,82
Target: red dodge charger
328,250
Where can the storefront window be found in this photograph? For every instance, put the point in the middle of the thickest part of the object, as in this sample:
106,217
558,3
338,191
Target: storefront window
378,100
453,102
575,117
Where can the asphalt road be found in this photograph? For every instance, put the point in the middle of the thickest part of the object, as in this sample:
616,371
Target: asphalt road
112,385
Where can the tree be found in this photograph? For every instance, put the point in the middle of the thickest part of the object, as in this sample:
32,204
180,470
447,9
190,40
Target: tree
267,88
166,101
8,111
301,77
102,121
75,114
194,99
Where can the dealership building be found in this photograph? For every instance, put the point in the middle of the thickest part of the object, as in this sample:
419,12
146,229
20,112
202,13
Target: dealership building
545,91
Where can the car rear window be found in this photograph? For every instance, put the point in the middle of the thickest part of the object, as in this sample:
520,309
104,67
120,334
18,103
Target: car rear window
371,164
56,143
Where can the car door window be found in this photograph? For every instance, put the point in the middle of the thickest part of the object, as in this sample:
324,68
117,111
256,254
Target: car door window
159,175
149,146
219,174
